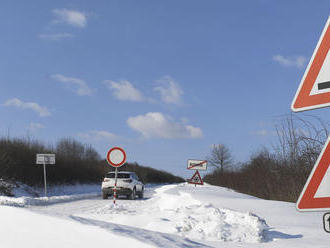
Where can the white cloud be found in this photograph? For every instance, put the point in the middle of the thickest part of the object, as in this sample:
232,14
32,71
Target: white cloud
35,126
77,85
297,61
55,37
261,132
124,90
169,90
98,135
156,125
264,132
71,17
42,111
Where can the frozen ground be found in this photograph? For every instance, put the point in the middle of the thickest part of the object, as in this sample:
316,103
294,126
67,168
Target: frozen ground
172,216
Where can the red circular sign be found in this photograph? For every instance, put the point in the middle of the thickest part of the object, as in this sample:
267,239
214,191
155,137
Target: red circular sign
116,156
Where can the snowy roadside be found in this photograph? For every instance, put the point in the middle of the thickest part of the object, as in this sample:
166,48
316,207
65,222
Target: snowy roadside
28,196
41,201
56,190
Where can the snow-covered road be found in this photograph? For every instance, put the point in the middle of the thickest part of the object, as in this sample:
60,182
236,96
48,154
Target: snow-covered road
91,205
186,216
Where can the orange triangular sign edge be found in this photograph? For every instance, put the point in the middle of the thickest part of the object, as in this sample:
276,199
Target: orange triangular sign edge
200,181
306,200
303,100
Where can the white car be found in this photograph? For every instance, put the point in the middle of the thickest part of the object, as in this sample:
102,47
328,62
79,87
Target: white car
127,184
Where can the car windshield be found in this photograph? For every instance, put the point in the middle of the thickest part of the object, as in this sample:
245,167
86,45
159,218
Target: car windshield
119,175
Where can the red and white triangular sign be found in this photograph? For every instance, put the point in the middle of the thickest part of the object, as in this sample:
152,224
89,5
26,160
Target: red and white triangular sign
316,193
196,179
314,88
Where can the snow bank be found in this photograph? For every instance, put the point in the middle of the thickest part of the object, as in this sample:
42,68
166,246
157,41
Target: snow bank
175,211
40,201
55,190
207,222
28,196
197,220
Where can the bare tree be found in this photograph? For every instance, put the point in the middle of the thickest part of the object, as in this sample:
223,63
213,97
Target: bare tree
300,139
70,148
220,157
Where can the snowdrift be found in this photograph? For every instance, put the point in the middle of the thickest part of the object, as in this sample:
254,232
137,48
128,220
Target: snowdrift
176,212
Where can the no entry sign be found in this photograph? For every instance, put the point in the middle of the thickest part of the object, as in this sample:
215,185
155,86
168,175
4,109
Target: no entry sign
116,157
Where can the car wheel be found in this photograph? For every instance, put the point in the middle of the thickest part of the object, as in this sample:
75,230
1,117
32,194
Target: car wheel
104,195
132,195
141,195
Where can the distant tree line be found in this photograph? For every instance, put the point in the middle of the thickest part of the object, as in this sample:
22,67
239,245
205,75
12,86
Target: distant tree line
151,175
75,163
279,173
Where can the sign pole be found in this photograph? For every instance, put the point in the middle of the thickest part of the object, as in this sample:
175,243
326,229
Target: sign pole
45,181
45,159
115,188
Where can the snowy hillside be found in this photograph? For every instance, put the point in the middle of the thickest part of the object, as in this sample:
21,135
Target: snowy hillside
169,216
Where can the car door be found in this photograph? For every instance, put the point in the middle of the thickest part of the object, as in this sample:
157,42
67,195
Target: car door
138,183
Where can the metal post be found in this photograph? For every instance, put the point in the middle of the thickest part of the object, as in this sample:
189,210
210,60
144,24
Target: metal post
45,181
115,188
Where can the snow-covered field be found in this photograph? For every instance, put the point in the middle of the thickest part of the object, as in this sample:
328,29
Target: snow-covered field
179,215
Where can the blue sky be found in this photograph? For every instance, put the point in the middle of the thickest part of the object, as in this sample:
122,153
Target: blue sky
163,79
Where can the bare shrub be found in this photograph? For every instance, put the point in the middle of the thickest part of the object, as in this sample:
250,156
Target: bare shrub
279,174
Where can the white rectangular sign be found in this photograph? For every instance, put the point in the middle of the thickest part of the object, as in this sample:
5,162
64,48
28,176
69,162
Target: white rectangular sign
45,158
197,164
